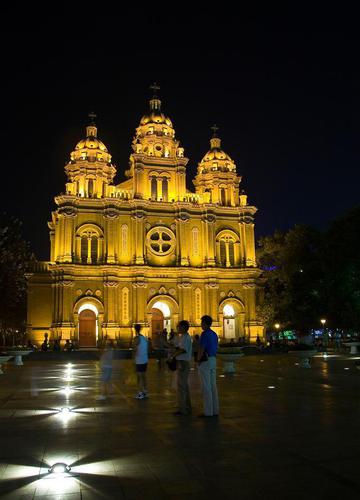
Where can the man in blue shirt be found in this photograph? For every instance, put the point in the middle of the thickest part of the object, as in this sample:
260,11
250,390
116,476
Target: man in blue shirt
207,368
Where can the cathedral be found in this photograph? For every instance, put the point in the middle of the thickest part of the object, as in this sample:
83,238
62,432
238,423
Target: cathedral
147,250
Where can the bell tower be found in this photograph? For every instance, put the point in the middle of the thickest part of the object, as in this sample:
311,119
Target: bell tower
89,170
157,165
216,180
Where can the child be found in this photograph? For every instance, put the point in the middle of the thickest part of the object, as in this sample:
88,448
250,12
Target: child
106,359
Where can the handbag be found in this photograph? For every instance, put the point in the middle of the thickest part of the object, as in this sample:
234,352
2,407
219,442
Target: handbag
204,357
171,362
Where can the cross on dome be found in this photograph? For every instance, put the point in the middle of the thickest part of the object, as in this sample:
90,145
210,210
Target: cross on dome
214,128
155,87
92,117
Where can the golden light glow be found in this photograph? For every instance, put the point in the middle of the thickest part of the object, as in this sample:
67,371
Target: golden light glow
118,249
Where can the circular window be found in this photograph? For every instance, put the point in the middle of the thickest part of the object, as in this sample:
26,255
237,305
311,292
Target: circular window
160,240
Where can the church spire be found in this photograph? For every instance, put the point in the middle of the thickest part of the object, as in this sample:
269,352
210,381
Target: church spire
155,103
91,130
215,141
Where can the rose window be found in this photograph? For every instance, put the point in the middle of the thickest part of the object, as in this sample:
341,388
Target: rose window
160,240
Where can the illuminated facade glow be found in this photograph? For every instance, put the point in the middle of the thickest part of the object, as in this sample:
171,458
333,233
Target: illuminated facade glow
120,250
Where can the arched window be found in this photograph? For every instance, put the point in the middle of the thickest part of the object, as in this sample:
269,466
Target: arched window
94,249
195,241
225,245
223,252
90,187
153,188
223,196
84,249
90,250
165,189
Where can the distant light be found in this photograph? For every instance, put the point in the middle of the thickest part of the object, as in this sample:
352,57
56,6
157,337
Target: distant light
346,368
65,410
271,387
323,321
296,364
67,390
301,270
222,376
325,355
261,360
59,468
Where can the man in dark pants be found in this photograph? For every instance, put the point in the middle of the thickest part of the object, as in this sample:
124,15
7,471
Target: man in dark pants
183,358
207,368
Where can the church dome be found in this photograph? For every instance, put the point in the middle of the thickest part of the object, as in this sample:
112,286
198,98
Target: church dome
155,116
91,148
91,142
216,158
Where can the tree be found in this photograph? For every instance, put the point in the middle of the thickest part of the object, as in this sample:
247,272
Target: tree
341,262
293,272
15,257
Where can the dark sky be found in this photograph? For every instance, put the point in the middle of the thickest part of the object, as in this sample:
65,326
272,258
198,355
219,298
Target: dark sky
283,88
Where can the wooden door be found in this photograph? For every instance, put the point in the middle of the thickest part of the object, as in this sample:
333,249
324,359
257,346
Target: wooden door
157,322
87,328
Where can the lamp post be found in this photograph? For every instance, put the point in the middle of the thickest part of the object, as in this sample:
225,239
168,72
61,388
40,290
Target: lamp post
277,327
324,338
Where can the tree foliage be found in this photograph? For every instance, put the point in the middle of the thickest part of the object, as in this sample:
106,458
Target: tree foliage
310,274
15,257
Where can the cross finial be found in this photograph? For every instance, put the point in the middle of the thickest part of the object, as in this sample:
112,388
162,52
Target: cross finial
214,128
155,87
92,117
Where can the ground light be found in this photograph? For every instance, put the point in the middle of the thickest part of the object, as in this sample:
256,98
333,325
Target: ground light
65,410
59,468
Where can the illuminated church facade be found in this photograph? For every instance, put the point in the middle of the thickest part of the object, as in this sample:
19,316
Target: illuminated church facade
146,250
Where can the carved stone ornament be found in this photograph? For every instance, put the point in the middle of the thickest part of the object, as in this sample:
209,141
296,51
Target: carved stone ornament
66,283
139,284
162,290
172,291
152,291
89,292
210,218
231,294
173,227
111,213
78,292
98,293
222,294
212,284
185,284
112,284
67,211
147,226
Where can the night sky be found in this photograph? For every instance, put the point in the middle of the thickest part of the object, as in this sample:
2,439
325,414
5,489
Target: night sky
284,90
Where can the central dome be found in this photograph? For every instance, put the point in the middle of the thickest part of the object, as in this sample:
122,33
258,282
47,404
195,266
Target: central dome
155,115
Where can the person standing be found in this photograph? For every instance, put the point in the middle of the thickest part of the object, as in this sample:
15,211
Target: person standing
195,346
207,368
141,361
106,360
183,358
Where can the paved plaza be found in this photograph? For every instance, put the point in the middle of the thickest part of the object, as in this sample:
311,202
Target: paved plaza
283,433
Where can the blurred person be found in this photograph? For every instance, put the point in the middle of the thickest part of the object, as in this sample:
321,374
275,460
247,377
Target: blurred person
183,357
141,362
207,368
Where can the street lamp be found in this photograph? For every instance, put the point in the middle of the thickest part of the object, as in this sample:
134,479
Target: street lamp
277,327
324,337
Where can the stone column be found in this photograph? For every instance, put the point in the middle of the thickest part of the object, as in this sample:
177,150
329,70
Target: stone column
210,239
139,223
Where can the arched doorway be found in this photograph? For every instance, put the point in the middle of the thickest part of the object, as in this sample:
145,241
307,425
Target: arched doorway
229,322
87,328
157,321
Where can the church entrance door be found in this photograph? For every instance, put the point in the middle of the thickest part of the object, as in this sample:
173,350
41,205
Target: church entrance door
157,321
87,328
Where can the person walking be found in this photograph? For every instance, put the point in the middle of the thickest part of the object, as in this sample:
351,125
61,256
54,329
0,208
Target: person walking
183,358
207,368
106,360
141,362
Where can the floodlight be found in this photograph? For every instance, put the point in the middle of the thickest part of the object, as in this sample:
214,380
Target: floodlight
59,468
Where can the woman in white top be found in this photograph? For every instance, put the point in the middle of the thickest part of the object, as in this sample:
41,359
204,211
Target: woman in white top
141,361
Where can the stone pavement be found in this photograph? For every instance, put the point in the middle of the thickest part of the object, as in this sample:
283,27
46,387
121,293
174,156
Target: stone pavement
283,433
